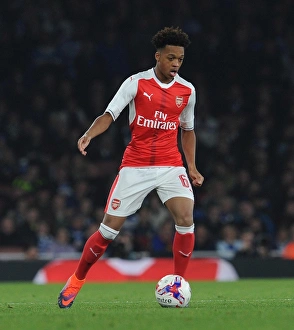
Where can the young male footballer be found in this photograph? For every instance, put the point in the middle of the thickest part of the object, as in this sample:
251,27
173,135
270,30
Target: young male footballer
159,102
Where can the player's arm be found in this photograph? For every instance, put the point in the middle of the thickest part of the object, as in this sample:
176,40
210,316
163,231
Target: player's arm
123,96
99,125
188,139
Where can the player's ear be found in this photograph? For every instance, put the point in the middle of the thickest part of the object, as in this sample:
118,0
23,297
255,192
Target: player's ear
157,56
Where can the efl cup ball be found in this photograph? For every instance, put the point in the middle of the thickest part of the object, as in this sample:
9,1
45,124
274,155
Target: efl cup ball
173,291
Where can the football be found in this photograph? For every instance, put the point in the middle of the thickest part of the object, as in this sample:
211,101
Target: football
173,291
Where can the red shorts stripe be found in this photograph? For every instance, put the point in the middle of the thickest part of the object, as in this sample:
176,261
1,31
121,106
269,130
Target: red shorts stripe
110,193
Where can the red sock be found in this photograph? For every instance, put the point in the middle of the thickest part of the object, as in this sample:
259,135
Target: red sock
183,246
93,250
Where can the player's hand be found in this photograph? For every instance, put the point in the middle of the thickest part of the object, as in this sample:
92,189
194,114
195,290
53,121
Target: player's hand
83,143
197,178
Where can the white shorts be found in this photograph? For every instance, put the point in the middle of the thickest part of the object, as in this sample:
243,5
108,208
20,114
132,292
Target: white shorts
133,184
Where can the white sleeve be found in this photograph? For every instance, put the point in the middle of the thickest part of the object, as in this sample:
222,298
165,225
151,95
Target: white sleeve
187,116
123,97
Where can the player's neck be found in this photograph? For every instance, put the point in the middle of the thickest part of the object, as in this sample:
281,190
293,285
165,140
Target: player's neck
161,77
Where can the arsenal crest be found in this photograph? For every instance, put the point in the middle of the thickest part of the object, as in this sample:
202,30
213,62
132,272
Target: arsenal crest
179,101
115,204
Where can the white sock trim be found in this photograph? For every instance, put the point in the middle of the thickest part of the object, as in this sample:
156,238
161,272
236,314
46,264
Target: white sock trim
185,230
108,232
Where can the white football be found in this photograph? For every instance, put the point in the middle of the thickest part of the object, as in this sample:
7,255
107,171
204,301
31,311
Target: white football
173,291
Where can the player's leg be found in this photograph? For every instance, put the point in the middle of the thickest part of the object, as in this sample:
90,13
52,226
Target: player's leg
126,196
97,243
181,209
175,191
93,250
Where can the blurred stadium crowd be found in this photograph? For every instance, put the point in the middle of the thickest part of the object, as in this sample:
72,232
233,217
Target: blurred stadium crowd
62,61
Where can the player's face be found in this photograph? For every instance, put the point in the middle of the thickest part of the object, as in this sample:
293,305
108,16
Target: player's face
168,62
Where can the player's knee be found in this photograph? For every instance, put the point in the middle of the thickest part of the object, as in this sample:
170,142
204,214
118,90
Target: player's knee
184,220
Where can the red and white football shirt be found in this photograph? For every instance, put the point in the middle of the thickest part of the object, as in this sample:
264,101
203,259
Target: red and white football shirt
156,110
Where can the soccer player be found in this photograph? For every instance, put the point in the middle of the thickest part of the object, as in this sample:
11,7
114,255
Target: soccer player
159,102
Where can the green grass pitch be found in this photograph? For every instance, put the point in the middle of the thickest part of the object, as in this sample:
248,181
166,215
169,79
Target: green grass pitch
245,304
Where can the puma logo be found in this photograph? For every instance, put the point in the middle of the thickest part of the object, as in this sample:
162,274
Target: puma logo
95,254
149,96
185,254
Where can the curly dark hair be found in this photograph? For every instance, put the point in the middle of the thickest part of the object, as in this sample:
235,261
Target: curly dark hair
170,36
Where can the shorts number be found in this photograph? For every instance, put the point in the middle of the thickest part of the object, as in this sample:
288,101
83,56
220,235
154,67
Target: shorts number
184,180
